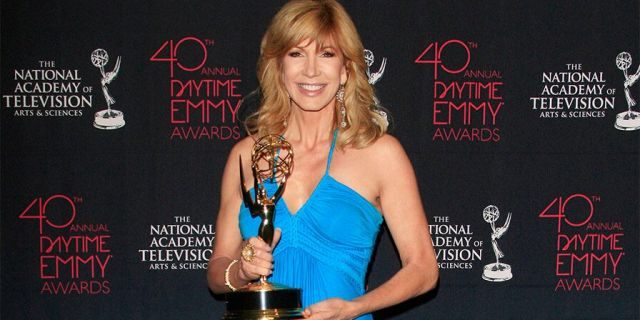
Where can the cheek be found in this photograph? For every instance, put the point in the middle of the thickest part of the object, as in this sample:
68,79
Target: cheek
287,78
288,69
337,71
342,70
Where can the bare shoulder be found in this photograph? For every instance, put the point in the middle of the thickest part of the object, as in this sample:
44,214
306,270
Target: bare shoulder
242,147
386,143
370,169
241,150
386,151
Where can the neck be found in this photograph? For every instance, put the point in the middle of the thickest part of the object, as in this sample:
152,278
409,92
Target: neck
310,127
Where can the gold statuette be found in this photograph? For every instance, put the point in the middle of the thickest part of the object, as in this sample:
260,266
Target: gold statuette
271,160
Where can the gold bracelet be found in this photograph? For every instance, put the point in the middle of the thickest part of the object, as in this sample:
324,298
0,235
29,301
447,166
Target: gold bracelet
226,275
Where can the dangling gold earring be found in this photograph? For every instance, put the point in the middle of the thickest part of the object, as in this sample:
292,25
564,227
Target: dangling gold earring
343,110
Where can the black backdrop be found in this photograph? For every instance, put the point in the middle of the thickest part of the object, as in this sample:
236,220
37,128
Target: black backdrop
133,208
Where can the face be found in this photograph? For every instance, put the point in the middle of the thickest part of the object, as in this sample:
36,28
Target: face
313,74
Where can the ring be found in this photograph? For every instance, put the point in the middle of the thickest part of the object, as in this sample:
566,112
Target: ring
247,252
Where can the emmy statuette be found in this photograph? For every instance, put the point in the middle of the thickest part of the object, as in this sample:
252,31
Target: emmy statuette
271,160
627,120
109,118
498,271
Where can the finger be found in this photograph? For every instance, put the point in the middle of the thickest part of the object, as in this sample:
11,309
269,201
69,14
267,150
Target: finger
258,243
259,258
276,237
317,316
263,259
253,271
311,311
322,310
260,271
262,252
244,273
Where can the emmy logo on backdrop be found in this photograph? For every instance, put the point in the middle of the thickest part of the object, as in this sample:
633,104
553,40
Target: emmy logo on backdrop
369,59
497,271
627,120
109,118
271,160
374,77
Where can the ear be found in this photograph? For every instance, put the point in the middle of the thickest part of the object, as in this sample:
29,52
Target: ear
344,75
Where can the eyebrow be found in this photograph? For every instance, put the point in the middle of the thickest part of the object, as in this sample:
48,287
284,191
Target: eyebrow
321,48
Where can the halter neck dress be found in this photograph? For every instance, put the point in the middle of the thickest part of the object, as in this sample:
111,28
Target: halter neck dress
326,245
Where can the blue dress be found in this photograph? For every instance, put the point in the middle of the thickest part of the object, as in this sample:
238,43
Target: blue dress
326,246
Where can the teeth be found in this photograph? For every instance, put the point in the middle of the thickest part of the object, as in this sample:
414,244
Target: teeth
311,87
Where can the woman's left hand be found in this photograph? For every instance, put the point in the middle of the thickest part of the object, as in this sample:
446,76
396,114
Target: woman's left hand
330,309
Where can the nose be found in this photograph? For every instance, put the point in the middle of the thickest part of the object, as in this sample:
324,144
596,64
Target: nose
311,67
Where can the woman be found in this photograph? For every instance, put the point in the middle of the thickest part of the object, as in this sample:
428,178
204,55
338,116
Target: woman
348,176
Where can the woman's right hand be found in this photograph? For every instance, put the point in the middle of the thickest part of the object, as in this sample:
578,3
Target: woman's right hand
262,262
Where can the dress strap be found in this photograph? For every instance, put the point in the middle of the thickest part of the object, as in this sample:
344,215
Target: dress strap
333,146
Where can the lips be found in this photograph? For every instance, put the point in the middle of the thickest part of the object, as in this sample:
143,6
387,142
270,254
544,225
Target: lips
311,88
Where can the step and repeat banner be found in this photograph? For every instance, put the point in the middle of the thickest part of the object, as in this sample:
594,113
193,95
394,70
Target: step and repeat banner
521,119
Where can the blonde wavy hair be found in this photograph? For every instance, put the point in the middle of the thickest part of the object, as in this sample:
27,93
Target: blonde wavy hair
318,20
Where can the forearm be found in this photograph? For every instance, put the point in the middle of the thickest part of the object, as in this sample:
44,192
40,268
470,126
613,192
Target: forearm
410,281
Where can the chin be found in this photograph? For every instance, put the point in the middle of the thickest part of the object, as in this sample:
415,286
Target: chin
312,105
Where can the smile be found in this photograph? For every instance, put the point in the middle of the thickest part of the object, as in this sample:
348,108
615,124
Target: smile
311,87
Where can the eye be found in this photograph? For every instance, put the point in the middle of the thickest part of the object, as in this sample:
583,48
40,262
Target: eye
328,54
294,54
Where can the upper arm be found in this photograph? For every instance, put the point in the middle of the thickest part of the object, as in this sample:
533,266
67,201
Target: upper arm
228,236
401,204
